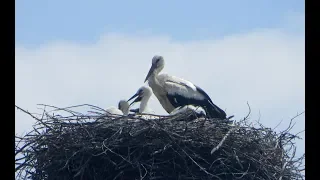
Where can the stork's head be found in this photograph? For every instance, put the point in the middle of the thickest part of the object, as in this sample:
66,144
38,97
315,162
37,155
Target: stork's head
123,105
156,67
144,91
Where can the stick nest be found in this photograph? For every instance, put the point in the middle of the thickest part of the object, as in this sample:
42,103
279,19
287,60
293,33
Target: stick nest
96,146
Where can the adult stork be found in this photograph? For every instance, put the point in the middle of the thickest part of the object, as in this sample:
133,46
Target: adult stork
143,95
123,109
173,92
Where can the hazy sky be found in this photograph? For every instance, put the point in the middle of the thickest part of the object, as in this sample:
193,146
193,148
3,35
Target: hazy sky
98,52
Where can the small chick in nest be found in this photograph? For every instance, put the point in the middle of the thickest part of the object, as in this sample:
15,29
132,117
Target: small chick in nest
123,109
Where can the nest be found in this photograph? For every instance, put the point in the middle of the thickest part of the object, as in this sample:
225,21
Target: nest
96,146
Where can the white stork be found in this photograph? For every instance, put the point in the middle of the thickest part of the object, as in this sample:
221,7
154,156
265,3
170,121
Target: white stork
199,112
123,109
143,95
173,92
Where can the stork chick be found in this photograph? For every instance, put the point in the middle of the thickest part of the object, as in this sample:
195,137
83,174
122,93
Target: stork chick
142,95
123,109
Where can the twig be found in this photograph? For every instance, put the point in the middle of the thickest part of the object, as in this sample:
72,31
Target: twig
223,139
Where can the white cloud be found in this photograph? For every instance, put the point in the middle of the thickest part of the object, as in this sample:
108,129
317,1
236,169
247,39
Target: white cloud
264,67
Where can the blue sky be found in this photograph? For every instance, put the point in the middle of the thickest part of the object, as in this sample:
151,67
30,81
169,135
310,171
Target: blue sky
39,21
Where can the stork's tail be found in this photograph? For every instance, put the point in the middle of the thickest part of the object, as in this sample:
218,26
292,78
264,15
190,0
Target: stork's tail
214,111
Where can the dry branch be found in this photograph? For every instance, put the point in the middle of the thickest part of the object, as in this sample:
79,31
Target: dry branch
79,146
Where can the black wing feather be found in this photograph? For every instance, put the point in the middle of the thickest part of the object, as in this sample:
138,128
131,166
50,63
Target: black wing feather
211,109
134,110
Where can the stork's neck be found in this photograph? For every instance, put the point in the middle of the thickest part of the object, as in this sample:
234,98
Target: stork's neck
144,103
153,79
155,74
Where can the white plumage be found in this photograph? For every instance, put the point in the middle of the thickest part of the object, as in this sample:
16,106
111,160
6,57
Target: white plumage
199,111
123,109
143,95
173,92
